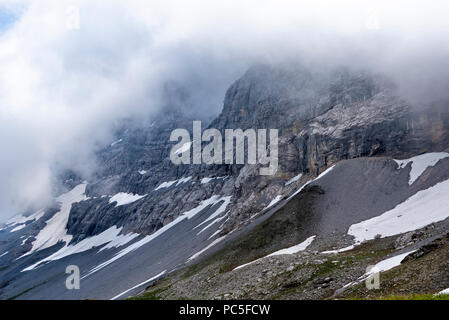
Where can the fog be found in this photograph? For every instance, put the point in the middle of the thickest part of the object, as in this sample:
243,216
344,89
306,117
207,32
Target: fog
69,70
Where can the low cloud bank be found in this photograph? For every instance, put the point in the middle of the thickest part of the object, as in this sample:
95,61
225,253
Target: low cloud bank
71,69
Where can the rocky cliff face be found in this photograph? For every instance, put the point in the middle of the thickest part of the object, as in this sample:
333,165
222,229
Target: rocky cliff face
327,119
322,117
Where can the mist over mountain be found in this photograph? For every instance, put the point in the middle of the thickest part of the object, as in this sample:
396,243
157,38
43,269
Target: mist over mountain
90,94
64,85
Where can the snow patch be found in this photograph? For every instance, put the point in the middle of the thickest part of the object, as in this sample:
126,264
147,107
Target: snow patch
19,227
120,240
123,198
212,223
184,148
388,264
165,185
273,202
300,189
294,179
170,183
445,291
116,142
213,243
206,180
294,249
220,210
421,163
339,250
214,234
291,250
140,284
110,236
381,266
325,172
56,227
183,180
423,208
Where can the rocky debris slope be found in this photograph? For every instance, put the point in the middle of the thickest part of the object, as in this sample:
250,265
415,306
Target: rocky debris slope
332,265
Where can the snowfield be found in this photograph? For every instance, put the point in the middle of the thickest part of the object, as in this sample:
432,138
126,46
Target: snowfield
421,163
421,209
56,228
381,266
388,264
111,236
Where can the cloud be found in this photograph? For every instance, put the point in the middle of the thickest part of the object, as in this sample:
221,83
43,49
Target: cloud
63,87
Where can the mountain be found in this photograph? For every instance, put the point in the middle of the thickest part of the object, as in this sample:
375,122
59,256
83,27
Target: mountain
360,168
